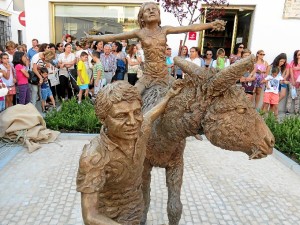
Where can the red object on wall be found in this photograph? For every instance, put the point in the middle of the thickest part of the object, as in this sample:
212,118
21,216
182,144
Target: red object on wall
192,36
22,18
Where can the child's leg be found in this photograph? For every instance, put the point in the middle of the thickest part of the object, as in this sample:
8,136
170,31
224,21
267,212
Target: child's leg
274,109
265,107
43,105
80,95
86,92
52,100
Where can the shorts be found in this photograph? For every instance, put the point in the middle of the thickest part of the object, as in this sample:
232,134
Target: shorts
46,93
271,98
282,86
83,86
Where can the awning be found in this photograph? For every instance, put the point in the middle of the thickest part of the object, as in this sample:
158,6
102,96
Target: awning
4,13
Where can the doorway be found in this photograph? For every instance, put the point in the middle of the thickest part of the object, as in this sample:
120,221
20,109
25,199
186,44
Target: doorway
236,30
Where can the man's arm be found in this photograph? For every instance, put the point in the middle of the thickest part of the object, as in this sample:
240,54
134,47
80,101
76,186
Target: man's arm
155,112
90,213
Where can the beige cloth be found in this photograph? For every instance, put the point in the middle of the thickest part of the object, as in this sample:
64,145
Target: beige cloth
23,123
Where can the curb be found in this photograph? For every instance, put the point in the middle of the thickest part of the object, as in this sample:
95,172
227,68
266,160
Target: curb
76,136
295,167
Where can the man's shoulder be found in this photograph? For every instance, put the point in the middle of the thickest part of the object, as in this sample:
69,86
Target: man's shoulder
94,153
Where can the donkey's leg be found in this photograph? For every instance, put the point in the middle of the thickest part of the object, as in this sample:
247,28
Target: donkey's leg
146,189
174,174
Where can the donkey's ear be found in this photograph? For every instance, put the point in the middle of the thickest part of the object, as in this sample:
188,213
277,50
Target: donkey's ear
188,67
228,76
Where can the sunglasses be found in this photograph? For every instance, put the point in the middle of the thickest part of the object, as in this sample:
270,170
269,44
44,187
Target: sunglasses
262,54
208,54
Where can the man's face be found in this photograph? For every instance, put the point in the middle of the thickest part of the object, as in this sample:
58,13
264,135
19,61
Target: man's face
124,120
106,50
34,43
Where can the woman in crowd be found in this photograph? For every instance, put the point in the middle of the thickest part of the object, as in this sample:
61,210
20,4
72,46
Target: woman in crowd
134,62
38,61
248,79
98,47
208,59
59,48
280,61
237,53
8,79
294,72
20,61
10,47
184,54
66,61
261,70
194,56
121,61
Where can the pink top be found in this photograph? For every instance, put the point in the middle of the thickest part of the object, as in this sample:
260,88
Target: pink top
295,72
21,79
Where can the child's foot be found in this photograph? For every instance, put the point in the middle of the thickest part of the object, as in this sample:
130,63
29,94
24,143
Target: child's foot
79,102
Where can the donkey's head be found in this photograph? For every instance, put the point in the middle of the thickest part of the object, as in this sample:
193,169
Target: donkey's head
229,120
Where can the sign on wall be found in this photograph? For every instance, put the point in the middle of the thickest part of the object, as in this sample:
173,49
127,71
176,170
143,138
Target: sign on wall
192,36
291,9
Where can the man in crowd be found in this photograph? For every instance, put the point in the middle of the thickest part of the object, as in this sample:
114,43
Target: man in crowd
32,51
109,63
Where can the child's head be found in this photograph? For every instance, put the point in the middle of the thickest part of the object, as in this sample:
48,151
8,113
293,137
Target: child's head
44,72
221,52
275,71
95,55
19,58
84,56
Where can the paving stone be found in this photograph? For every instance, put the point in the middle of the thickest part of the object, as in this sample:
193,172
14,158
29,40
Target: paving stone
219,187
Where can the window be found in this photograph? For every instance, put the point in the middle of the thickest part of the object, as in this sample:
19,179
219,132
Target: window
5,31
93,19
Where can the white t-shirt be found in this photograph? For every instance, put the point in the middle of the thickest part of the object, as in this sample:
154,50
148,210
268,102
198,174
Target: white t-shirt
62,58
36,59
10,81
273,83
197,61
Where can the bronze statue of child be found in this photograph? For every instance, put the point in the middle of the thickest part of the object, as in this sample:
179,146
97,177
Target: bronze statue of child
110,168
154,40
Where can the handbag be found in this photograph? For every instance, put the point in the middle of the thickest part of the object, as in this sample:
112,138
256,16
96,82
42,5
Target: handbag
3,90
293,92
11,90
33,78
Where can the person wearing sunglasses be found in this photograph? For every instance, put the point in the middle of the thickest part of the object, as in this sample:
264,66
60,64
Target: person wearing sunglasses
261,70
208,59
237,53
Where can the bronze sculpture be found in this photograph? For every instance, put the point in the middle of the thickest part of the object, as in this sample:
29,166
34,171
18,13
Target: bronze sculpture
154,40
208,103
110,168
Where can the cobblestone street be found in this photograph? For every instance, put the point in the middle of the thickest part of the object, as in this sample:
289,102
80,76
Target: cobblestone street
219,187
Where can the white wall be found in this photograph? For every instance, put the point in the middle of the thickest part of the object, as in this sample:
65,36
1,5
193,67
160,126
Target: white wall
14,18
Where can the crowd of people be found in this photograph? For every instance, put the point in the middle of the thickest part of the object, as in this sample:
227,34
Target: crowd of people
50,72
71,68
274,81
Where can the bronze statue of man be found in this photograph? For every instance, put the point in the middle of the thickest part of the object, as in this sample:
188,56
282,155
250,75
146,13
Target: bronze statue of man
110,168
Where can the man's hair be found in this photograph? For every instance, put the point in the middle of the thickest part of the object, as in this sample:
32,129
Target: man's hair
83,54
34,39
112,94
96,54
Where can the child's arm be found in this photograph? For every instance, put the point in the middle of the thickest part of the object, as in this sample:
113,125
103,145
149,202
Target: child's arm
98,77
24,71
155,112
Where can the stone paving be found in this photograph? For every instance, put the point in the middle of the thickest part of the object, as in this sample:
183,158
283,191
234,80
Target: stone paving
220,187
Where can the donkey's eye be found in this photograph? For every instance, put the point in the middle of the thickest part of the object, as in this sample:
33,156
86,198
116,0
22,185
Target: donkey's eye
240,110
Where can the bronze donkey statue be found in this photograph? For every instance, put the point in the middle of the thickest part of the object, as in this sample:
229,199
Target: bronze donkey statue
210,103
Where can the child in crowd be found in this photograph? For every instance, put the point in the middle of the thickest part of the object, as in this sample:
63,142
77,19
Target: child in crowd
222,61
83,78
45,89
22,76
271,97
2,98
98,73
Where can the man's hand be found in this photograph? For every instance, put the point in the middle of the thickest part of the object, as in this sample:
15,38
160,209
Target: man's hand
96,82
218,25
